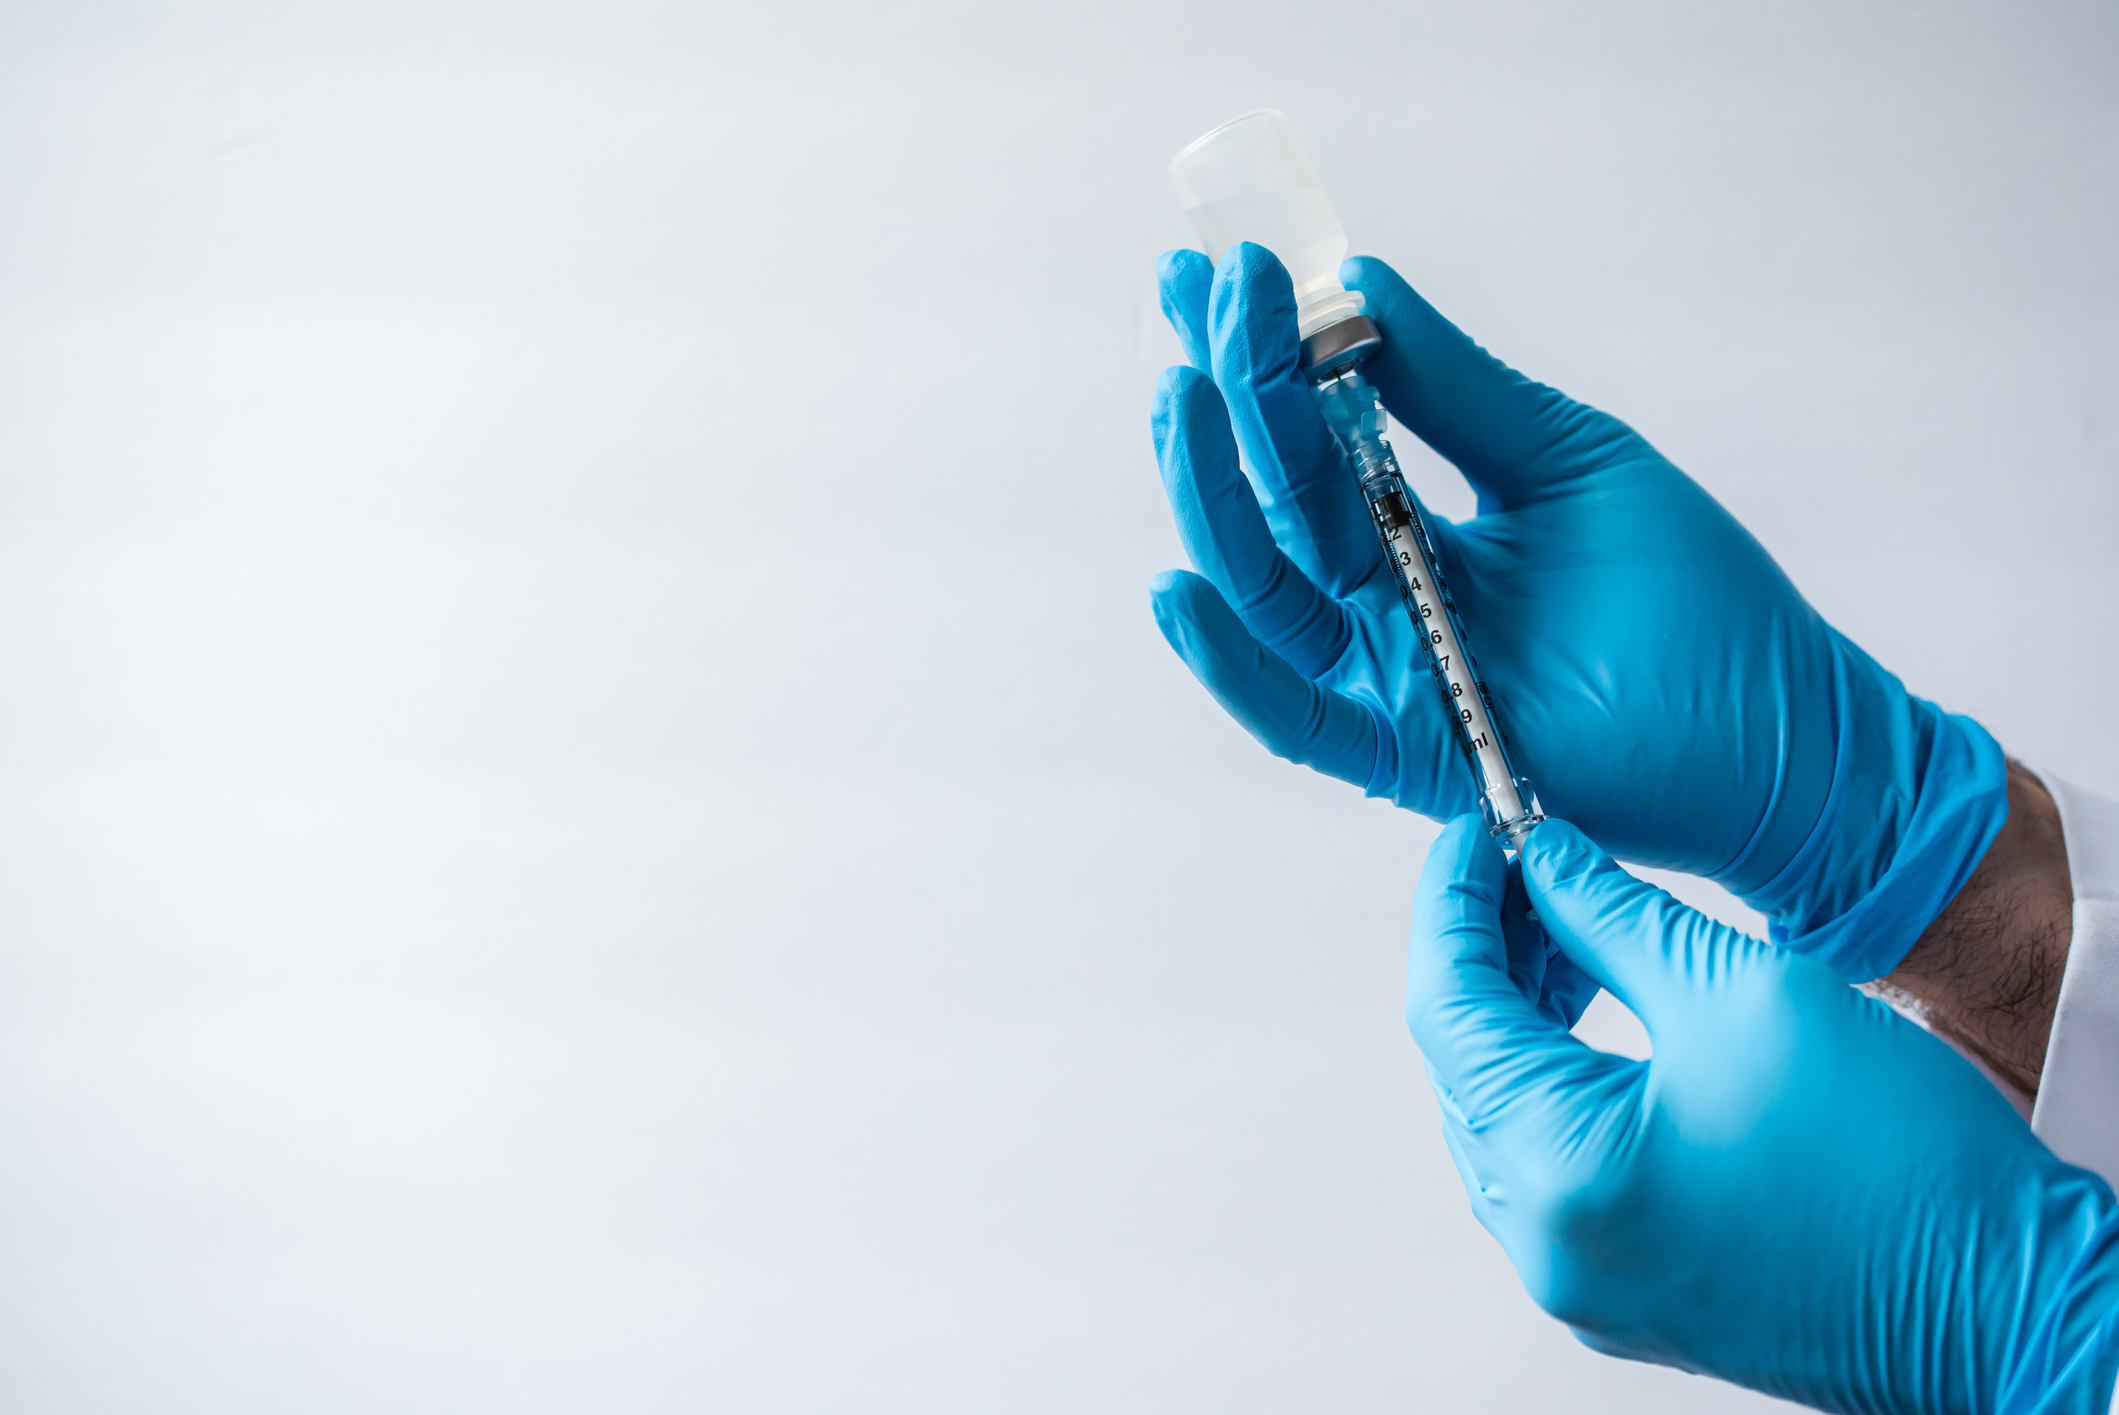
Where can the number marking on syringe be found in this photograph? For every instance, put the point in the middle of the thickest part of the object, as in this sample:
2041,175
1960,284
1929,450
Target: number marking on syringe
1350,407
1431,616
1472,720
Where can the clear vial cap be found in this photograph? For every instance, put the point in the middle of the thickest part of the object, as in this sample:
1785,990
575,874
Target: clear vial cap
1249,180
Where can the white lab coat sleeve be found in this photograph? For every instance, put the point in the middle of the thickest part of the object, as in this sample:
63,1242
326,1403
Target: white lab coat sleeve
2077,1110
2077,1113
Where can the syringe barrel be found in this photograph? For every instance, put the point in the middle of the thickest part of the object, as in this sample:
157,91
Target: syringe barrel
1350,408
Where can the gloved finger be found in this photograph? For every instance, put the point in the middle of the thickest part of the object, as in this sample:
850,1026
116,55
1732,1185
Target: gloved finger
1293,717
1226,535
1527,950
1454,1136
1652,952
1540,971
1308,491
1516,440
1486,1044
1182,278
1566,991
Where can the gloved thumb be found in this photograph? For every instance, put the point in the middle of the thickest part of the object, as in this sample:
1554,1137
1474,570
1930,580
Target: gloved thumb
1494,1056
1649,950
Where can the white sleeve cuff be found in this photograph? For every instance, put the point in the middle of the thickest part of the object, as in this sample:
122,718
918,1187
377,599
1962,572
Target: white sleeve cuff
2077,1114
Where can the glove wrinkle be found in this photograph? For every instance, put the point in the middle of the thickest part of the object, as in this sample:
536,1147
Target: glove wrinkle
1660,681
1758,1201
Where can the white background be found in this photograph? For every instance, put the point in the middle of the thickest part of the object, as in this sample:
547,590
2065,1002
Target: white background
592,817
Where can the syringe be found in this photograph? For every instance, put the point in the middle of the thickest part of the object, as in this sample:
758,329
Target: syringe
1249,180
1351,410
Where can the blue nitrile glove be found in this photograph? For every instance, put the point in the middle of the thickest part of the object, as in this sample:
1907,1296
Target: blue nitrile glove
1662,682
1800,1192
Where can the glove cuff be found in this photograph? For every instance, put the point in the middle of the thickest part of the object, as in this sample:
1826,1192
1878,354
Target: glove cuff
1917,796
2069,1360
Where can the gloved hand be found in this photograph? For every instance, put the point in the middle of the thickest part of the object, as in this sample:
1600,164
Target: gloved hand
1662,682
1801,1192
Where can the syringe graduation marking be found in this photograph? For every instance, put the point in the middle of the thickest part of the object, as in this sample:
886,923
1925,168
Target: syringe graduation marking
1430,605
1434,615
1427,600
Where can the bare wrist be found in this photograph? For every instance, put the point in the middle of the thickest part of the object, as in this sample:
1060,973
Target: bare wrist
1987,972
